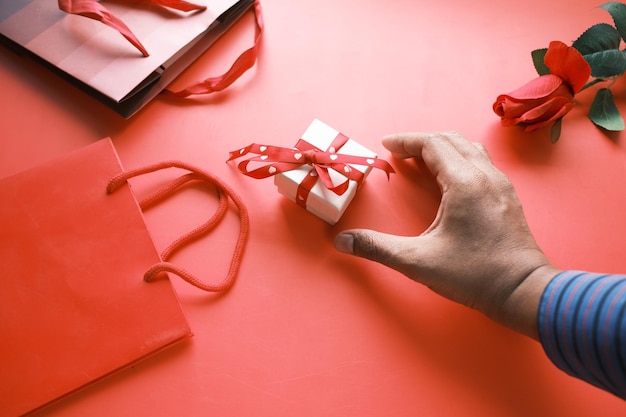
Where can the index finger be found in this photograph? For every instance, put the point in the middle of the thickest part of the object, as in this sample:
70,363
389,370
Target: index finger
405,145
443,156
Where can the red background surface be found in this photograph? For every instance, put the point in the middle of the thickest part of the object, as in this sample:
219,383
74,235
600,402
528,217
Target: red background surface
308,331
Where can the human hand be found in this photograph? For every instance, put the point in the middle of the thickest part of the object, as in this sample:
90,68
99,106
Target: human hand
479,250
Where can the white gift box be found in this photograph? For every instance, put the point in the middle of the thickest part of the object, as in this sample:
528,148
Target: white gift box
321,201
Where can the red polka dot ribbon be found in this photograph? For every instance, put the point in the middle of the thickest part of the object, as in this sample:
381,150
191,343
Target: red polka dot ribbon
275,160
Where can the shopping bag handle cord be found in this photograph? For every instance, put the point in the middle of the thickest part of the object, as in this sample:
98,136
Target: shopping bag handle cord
224,192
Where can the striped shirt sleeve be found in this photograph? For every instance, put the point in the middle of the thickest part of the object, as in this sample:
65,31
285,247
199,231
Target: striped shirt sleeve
582,327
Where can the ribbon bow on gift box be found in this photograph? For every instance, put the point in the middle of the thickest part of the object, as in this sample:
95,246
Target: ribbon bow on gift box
281,159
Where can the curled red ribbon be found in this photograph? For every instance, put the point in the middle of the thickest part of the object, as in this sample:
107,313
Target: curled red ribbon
94,10
281,159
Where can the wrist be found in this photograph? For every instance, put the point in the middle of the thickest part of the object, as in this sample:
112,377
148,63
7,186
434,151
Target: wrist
520,309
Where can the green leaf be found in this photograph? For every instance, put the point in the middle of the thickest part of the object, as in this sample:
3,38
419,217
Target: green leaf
600,37
555,132
538,55
606,64
604,113
618,13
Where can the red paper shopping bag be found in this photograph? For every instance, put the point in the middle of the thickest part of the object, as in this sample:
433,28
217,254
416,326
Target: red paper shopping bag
74,306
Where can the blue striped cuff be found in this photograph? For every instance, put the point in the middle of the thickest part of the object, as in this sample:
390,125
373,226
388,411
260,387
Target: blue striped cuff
582,327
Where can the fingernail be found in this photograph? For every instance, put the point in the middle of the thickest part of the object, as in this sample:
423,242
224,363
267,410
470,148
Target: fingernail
344,242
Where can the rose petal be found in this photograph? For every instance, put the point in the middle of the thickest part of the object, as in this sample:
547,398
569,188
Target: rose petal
562,112
539,87
545,111
566,62
508,108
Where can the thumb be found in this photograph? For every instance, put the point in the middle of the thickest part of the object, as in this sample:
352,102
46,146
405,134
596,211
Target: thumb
380,247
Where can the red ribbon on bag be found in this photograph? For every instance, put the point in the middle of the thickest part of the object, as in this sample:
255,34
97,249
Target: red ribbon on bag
245,61
281,159
96,11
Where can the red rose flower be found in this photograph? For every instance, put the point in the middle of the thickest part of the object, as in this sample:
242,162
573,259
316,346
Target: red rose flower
547,98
